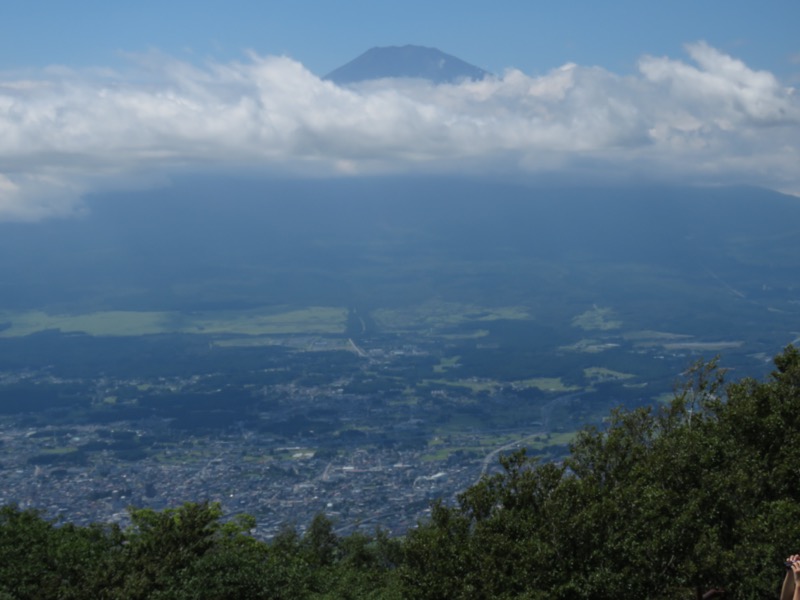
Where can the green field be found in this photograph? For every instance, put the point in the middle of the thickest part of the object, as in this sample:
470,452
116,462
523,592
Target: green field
265,321
602,375
545,384
447,363
437,316
598,318
589,346
474,385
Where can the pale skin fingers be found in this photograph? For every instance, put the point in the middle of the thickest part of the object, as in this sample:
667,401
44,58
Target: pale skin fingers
790,590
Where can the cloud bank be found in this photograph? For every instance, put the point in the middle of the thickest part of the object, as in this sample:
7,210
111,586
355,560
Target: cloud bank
66,133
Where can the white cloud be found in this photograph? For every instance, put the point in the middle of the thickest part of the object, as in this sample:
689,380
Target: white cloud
723,89
64,133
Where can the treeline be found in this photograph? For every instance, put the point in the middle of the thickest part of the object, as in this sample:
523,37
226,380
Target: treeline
670,502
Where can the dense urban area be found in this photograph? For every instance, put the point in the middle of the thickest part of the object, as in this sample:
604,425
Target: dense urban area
368,432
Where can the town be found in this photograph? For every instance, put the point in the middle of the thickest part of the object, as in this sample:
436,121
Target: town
354,434
369,426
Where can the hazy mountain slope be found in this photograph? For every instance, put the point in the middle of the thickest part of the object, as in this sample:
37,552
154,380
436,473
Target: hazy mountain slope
346,235
405,61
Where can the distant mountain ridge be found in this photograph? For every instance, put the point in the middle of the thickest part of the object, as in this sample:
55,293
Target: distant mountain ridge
408,62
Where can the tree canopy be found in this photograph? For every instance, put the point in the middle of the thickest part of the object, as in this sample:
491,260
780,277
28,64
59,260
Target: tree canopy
663,502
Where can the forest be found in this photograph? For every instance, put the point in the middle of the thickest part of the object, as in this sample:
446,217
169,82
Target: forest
698,495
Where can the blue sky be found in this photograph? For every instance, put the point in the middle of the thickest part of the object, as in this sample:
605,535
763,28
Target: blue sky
533,36
98,95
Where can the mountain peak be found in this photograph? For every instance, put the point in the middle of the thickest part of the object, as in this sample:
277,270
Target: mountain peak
407,61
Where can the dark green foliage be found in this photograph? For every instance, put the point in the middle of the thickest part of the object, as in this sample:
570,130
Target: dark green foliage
39,560
188,553
661,503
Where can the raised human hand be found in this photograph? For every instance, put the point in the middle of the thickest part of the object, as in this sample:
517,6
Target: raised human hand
796,569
